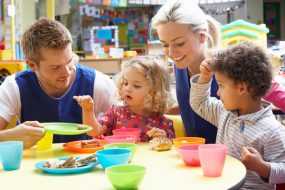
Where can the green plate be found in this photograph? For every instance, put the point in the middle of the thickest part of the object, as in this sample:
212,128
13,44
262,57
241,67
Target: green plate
66,128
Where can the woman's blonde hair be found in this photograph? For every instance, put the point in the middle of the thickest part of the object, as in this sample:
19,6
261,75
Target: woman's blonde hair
157,76
189,13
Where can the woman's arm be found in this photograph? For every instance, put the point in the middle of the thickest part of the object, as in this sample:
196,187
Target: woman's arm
276,95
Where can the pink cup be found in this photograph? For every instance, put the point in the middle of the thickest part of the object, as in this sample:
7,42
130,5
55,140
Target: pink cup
212,158
128,131
190,154
120,139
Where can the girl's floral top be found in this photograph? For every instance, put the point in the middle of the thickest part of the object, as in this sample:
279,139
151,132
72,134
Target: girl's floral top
120,116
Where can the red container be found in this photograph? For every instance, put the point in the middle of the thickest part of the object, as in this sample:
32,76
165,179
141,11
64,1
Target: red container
136,132
190,154
120,139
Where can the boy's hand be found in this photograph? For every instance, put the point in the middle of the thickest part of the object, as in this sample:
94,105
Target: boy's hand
85,102
205,72
252,160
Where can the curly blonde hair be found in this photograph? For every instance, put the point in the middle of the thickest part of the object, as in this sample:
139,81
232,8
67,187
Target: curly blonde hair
157,76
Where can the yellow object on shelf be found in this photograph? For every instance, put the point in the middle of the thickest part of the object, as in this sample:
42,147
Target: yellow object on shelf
6,54
130,53
241,30
12,66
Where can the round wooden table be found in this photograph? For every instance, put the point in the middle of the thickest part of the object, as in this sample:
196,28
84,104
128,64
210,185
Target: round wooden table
164,170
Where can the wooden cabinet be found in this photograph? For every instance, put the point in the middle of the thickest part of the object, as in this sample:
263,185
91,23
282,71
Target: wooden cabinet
108,66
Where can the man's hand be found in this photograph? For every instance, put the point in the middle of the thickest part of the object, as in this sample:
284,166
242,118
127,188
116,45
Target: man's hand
205,72
30,132
85,102
252,160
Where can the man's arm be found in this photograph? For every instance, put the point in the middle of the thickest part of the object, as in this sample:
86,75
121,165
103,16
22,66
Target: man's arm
105,93
30,132
9,101
3,123
276,95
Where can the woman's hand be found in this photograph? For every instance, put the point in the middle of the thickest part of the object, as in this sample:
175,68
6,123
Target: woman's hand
205,72
85,102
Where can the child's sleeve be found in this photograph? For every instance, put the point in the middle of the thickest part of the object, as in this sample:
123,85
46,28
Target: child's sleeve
169,129
274,152
108,120
209,108
277,173
276,95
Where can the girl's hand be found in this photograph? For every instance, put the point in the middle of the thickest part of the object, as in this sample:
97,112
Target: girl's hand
252,160
205,72
156,132
85,102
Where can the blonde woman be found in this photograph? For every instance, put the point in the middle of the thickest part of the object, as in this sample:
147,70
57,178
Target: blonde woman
186,33
143,87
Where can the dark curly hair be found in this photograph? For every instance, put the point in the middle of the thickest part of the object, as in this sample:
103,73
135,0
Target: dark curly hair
245,62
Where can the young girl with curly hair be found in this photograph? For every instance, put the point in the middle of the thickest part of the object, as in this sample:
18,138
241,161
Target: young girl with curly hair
143,87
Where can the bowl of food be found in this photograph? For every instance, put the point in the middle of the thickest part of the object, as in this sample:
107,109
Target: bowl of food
126,176
190,154
188,140
84,146
136,132
120,139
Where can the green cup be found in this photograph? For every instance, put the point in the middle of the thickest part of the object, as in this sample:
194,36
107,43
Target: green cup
125,176
131,146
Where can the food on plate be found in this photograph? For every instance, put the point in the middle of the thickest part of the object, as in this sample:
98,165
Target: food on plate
94,143
159,141
81,127
71,162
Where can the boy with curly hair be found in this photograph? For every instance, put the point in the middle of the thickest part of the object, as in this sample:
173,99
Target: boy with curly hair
245,123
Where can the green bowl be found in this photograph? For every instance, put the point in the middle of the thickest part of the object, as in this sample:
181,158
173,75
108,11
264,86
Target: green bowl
125,176
131,146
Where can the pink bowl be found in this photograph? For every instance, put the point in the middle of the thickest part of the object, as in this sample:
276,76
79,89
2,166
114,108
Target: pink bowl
190,154
120,139
128,131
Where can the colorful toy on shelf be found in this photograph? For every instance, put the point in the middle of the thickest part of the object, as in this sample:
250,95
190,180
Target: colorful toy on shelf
6,54
241,30
10,67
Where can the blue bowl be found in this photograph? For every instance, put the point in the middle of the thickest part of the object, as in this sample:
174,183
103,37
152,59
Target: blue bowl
113,156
